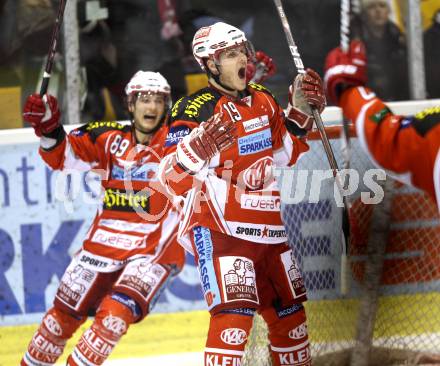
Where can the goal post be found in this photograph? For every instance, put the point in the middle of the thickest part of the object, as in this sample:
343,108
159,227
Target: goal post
391,312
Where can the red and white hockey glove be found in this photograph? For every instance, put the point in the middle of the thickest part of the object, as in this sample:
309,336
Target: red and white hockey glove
307,90
168,16
205,141
260,68
170,30
42,113
345,70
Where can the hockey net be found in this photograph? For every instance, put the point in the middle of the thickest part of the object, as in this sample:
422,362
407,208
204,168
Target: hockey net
390,314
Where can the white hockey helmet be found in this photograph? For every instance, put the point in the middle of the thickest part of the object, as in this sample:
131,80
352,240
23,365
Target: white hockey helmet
210,41
148,82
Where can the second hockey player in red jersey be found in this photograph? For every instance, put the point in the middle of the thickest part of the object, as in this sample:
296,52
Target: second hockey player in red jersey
406,145
130,252
232,136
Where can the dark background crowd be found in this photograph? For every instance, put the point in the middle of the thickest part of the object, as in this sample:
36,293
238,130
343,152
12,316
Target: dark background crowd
119,37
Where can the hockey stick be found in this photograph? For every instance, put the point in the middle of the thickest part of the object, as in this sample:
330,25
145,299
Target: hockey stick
345,41
356,6
53,47
345,25
346,146
326,144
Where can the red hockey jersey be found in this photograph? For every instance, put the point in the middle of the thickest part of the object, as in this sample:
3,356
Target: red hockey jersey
406,145
136,216
237,194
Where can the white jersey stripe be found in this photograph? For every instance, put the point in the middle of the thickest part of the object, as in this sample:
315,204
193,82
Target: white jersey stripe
224,351
290,349
123,225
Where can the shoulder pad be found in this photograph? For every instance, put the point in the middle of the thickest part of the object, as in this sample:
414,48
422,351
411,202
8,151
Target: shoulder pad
197,107
426,120
95,129
262,88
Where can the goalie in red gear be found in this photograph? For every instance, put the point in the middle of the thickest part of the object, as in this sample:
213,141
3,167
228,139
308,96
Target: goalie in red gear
408,146
232,135
130,252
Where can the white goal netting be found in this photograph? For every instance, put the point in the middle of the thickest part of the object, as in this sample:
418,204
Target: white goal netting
390,314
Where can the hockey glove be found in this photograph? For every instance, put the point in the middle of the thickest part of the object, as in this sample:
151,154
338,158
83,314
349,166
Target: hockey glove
42,113
307,90
260,68
170,30
205,141
345,70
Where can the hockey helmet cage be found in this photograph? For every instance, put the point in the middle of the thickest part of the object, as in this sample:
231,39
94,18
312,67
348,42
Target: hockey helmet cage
148,82
209,41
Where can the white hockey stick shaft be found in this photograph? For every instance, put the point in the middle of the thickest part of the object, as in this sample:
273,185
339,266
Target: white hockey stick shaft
345,24
324,138
345,140
53,47
300,68
356,6
345,41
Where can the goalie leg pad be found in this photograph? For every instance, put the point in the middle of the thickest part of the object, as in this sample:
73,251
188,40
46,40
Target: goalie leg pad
49,340
288,336
227,337
111,323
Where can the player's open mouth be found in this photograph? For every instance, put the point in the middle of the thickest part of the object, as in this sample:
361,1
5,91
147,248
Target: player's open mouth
242,73
149,117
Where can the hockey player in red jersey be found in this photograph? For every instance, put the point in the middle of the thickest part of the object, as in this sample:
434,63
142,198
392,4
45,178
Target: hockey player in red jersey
130,252
406,145
233,134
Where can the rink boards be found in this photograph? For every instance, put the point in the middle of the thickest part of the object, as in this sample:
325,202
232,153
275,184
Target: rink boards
44,219
45,216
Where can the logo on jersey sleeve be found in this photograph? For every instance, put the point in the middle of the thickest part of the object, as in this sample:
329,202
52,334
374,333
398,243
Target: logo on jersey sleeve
381,115
255,143
176,134
192,105
77,132
111,125
406,122
239,280
428,112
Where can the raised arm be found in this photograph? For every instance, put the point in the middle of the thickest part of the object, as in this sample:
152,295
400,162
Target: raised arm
405,145
59,151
